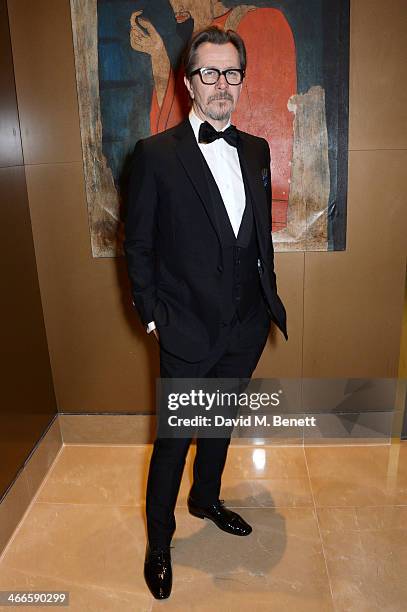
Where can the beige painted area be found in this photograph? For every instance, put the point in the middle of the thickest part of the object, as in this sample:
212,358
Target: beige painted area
353,300
41,38
378,90
344,308
102,359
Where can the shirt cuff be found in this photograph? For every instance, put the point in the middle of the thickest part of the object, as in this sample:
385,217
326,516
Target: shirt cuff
150,326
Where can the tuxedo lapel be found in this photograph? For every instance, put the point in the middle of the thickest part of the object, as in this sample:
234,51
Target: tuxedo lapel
251,168
192,160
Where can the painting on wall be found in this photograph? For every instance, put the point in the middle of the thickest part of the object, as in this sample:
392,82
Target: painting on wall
295,94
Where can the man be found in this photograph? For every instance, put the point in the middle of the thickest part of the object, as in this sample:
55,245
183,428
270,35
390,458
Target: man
200,259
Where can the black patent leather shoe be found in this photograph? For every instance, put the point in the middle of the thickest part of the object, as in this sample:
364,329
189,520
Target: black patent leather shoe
225,519
158,571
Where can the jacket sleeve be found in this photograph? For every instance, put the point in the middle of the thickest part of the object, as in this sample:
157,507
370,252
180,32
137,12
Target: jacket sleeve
270,260
280,315
140,232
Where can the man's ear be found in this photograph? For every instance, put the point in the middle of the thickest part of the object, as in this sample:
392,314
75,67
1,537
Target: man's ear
188,86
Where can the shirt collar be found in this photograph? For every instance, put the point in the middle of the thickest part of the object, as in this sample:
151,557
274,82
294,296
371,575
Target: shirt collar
196,123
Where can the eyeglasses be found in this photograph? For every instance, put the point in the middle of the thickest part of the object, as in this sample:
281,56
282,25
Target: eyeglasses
210,76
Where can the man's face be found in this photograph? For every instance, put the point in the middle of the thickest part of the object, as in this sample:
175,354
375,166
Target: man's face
216,101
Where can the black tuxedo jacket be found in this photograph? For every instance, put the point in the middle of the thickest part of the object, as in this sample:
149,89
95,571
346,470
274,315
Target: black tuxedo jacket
173,245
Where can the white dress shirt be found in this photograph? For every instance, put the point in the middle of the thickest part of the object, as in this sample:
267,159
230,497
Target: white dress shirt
223,162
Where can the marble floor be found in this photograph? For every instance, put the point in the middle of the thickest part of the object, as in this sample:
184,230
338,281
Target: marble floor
329,533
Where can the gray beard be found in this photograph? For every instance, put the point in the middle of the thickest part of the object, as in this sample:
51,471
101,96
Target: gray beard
219,116
216,115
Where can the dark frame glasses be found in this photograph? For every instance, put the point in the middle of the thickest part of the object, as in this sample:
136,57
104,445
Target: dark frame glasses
210,76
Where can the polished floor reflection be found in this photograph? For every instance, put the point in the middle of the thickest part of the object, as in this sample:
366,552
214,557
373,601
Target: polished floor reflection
329,532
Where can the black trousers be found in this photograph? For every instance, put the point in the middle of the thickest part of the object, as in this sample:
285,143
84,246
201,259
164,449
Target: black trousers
235,355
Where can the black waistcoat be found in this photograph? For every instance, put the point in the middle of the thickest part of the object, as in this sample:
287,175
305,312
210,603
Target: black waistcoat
240,286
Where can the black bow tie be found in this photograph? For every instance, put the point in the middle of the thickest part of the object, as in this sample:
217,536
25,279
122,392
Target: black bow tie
207,134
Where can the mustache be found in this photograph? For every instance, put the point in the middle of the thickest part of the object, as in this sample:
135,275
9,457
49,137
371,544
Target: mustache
225,96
